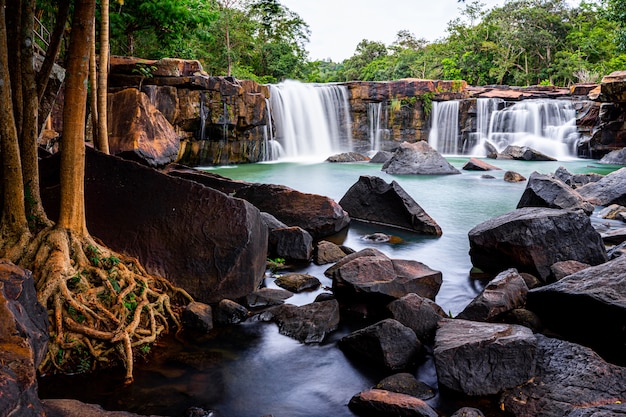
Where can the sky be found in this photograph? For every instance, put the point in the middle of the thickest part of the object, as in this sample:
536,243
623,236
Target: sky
337,26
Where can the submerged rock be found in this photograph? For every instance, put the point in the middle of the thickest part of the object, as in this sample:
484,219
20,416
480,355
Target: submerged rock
418,158
371,199
297,282
475,164
327,252
525,153
348,157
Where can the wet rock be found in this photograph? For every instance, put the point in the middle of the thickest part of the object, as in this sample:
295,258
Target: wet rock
210,179
272,222
406,383
418,158
389,404
318,215
616,157
371,275
614,236
613,87
487,177
502,294
138,131
612,212
212,245
587,307
570,380
24,339
75,408
292,243
309,323
327,252
532,239
475,164
576,180
511,176
468,412
381,157
388,344
420,314
483,358
348,157
230,312
371,199
549,191
198,316
267,297
297,282
611,189
525,153
562,269
523,317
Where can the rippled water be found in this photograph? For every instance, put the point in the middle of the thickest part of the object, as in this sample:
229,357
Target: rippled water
250,370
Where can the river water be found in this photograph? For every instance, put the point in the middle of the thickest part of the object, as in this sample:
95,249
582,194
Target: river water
249,370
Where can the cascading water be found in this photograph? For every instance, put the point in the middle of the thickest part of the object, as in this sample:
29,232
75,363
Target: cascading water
310,120
444,131
374,117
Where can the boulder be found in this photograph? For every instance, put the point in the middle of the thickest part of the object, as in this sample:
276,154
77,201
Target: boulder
212,245
475,164
377,402
531,239
549,191
348,157
381,157
576,180
616,157
267,297
369,272
138,131
230,312
525,153
210,179
406,383
24,341
198,316
612,212
569,380
502,294
373,200
483,358
468,412
318,215
418,158
562,269
292,243
587,307
614,236
420,314
310,323
609,190
327,252
297,282
75,408
511,176
388,344
613,87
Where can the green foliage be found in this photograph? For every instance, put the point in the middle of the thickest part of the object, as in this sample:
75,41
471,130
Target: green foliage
427,102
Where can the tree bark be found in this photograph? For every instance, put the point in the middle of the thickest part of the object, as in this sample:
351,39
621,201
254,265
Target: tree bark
14,223
53,48
72,211
103,132
93,86
13,23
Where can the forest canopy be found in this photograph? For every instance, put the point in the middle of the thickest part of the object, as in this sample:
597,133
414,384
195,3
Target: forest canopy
523,42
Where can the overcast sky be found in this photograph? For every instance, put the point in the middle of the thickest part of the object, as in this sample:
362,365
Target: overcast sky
337,26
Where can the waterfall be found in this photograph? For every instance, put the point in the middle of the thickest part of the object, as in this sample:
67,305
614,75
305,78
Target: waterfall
444,130
548,126
311,120
271,148
374,119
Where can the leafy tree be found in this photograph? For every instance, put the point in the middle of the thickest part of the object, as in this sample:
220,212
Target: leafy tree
366,52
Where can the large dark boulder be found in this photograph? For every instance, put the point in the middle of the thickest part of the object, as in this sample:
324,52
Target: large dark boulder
525,153
23,341
532,239
616,157
318,215
475,164
569,381
373,200
388,344
406,383
587,307
292,243
576,180
549,191
418,158
420,314
382,403
212,245
504,293
210,179
483,358
310,323
609,190
75,408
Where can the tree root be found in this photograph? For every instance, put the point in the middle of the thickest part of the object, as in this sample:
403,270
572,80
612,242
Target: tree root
103,306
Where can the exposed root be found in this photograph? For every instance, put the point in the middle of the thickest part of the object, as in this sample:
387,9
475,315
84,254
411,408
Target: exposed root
103,306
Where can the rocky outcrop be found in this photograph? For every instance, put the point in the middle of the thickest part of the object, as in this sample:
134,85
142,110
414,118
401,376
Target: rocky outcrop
318,215
609,190
211,244
24,338
418,159
483,358
549,191
373,200
587,307
532,239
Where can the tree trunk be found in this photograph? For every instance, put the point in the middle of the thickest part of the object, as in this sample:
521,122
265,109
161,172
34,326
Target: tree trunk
103,133
14,224
72,211
54,47
93,87
13,23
